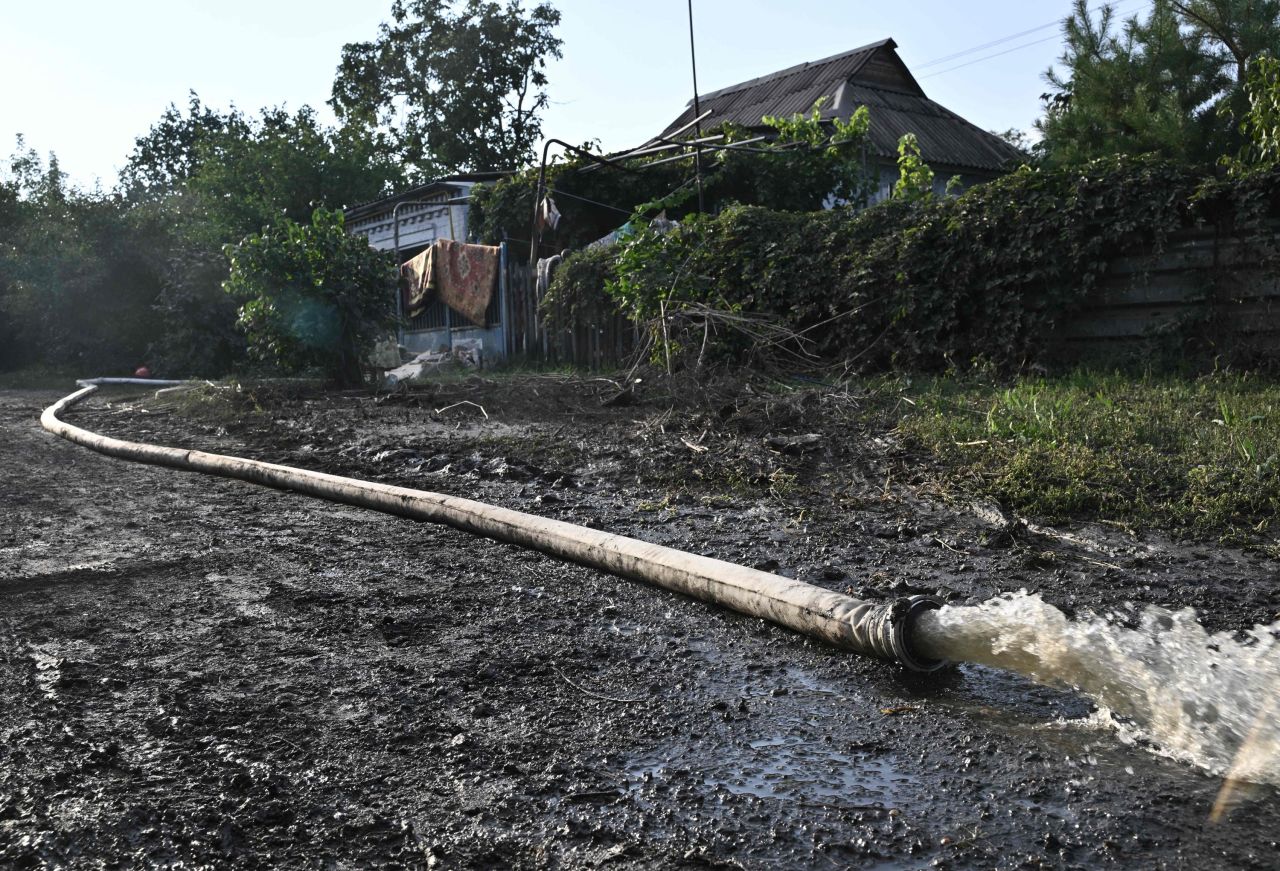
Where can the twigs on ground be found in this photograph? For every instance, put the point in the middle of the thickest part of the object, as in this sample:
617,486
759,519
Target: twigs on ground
603,698
464,402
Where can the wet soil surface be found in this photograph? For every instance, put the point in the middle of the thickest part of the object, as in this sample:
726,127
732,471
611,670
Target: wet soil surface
203,673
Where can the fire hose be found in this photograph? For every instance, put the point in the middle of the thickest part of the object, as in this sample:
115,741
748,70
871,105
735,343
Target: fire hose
877,628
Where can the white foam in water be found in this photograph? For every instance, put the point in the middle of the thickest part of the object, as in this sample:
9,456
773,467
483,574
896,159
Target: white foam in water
1207,699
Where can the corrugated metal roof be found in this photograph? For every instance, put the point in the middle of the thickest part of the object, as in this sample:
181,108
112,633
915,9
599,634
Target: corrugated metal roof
896,101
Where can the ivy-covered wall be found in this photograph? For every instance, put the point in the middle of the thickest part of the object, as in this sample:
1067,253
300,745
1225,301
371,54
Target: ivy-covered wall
934,282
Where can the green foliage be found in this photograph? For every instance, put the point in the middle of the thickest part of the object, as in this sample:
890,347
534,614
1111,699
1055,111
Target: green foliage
75,289
242,173
457,85
1171,84
1261,125
577,292
808,162
104,281
312,297
175,147
915,178
1196,455
657,267
939,282
200,337
199,181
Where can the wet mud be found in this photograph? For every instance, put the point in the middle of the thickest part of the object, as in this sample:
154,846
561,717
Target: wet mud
202,673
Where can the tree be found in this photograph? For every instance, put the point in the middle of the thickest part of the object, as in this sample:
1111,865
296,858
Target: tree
75,289
247,171
312,296
175,146
1170,84
1236,31
203,178
458,85
287,164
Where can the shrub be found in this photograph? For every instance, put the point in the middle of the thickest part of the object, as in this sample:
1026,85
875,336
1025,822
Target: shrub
577,292
311,296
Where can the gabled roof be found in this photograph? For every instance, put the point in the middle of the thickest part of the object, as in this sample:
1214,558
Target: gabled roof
872,76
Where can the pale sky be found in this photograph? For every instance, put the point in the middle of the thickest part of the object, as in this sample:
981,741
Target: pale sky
83,78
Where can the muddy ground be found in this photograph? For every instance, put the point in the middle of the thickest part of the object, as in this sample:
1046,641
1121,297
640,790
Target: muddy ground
201,673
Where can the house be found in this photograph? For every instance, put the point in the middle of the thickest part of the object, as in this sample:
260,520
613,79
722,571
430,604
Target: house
872,76
436,210
408,223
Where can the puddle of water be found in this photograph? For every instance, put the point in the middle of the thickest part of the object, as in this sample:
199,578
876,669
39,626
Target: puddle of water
807,682
788,767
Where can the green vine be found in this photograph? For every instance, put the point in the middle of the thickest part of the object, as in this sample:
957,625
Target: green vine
915,178
933,282
805,161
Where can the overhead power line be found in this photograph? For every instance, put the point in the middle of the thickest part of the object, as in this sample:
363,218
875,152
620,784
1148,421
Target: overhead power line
1009,38
989,56
992,43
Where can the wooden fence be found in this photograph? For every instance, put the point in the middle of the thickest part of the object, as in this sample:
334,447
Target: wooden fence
591,339
1202,289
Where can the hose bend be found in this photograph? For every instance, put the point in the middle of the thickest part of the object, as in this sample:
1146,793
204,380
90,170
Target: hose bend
882,629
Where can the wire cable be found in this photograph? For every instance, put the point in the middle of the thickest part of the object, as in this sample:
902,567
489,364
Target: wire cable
560,193
1010,37
989,57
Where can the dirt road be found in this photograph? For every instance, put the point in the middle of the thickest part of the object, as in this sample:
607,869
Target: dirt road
199,673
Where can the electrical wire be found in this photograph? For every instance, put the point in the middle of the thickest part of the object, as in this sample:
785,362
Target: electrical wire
989,57
560,193
1010,37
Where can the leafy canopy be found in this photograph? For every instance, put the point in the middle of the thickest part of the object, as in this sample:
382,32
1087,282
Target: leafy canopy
245,172
458,86
203,178
1170,84
75,289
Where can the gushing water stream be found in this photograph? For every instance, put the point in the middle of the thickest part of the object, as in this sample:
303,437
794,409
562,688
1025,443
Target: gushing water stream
1208,699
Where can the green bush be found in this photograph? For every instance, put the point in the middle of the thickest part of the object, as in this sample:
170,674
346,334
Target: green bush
577,292
75,288
311,296
938,282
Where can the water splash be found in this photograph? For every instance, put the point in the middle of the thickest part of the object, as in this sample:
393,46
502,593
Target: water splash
1207,699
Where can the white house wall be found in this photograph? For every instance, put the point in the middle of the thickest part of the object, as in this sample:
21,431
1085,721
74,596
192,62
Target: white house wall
420,225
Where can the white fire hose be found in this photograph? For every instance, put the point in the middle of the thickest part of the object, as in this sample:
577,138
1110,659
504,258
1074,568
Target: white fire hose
881,629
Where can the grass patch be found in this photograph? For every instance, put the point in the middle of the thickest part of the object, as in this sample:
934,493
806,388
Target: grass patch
233,401
1196,455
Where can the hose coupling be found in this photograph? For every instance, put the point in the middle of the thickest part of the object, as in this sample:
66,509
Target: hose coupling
900,617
